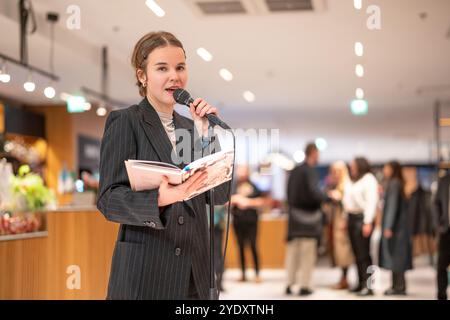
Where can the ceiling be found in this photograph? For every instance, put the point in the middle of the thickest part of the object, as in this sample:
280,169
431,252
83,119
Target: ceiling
299,65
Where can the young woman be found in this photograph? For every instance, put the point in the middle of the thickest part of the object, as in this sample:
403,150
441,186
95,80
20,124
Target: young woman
360,205
396,242
342,250
162,246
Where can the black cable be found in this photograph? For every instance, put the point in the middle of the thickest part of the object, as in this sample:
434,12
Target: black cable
228,214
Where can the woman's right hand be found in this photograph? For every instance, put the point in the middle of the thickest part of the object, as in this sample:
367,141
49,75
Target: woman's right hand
169,194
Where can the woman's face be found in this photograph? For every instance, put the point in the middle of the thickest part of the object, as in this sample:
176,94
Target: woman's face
353,169
166,71
387,171
334,175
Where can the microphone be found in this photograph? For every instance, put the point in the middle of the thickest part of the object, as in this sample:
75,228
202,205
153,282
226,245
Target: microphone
181,96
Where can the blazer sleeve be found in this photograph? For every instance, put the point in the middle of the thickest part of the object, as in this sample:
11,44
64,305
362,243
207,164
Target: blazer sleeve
117,201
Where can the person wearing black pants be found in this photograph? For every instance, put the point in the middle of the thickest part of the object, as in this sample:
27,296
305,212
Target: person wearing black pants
360,204
441,206
361,248
245,217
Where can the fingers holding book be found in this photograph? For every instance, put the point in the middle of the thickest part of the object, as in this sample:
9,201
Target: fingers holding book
169,194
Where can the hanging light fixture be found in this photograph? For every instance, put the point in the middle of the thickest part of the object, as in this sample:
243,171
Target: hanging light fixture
5,77
52,18
29,85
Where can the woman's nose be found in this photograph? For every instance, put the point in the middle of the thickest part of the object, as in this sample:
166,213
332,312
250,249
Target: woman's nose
174,76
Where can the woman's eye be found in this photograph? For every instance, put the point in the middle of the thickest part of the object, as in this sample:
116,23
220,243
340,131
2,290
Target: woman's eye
162,69
181,68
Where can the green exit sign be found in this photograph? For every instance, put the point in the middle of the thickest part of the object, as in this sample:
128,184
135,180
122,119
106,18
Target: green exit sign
359,107
76,104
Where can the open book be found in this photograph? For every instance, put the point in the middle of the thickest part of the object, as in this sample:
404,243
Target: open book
147,175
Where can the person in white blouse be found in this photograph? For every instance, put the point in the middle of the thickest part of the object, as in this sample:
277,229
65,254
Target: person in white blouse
360,205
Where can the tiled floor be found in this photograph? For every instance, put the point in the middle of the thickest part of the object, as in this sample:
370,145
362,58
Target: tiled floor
421,284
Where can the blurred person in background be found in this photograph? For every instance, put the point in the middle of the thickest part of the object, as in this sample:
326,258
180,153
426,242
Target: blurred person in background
220,212
341,247
360,205
442,215
245,203
396,240
305,221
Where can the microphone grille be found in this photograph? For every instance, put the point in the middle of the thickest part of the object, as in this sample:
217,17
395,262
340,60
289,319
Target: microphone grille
181,96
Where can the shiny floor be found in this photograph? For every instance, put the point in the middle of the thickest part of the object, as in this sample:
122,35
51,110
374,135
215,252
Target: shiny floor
421,284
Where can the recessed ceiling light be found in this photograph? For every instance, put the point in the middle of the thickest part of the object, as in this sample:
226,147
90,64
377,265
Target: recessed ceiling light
225,74
204,54
359,70
357,4
249,96
359,49
359,93
157,10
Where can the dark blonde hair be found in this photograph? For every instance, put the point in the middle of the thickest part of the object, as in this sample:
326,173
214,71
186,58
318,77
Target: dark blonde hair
145,46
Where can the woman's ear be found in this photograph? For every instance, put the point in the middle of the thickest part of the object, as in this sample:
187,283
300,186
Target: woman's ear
141,76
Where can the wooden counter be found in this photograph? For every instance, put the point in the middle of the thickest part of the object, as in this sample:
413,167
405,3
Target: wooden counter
37,268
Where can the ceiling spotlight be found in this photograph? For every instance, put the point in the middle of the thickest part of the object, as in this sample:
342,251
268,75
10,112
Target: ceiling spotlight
359,93
49,92
359,49
249,96
87,106
204,54
157,10
225,74
101,111
357,4
29,86
5,77
359,70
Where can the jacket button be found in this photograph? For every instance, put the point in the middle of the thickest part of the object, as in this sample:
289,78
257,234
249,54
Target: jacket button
177,251
180,220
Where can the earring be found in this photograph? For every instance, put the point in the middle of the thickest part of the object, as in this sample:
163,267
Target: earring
144,84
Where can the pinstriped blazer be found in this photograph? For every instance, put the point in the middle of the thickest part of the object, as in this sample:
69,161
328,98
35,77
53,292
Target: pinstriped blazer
157,248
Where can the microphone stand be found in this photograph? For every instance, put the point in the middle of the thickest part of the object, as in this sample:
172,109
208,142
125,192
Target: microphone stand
213,292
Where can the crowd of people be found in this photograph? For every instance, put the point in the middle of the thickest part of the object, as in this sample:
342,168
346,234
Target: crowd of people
347,209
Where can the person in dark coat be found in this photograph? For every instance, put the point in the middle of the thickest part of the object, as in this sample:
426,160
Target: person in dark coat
304,222
396,241
442,216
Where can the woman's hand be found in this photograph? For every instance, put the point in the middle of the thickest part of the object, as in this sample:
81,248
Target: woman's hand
199,108
388,233
366,230
169,194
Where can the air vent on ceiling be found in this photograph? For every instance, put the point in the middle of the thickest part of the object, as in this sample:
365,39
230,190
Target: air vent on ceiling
221,7
289,5
232,8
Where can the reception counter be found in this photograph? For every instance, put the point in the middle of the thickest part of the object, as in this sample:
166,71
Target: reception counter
78,245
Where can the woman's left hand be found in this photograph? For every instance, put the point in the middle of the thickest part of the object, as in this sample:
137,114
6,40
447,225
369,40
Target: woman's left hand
199,108
388,233
366,230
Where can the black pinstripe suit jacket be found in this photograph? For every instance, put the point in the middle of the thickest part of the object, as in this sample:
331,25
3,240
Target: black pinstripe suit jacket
156,249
